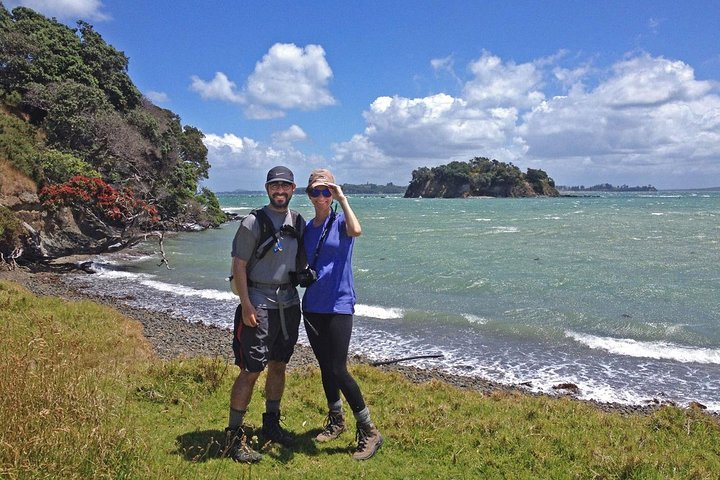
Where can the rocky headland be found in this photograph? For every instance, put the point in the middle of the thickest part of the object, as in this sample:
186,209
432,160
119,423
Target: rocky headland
479,177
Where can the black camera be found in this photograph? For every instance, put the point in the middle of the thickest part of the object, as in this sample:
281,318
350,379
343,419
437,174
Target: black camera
304,278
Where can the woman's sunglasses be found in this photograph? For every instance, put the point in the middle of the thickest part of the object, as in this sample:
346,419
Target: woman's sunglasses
315,192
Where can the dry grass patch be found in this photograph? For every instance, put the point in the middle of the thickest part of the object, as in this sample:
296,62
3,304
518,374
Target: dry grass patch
63,377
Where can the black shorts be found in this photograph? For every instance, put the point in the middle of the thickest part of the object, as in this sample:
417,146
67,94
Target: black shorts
266,341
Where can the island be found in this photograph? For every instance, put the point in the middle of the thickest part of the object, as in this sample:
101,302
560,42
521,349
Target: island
479,177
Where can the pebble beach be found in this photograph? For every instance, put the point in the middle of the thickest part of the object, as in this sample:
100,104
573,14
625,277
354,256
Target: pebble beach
174,337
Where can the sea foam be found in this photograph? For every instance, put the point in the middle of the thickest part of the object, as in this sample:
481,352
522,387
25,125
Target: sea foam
383,313
655,350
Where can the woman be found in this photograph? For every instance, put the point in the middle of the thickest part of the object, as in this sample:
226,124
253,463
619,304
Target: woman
328,307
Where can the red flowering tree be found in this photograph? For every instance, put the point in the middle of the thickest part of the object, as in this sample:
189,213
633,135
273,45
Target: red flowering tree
92,195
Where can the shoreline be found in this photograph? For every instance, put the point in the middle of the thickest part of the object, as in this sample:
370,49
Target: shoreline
174,337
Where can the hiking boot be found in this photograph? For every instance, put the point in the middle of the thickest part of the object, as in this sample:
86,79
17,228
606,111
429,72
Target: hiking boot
272,430
369,440
334,426
237,448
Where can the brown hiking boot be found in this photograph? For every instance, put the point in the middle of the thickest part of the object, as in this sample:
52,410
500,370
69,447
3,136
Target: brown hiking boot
237,448
334,427
369,440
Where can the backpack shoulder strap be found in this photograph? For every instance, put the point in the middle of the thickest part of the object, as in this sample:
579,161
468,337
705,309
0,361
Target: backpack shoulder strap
301,257
267,233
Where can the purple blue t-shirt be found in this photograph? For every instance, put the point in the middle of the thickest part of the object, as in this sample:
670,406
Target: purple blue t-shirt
334,290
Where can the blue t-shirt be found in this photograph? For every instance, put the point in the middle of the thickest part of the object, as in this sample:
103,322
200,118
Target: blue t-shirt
334,290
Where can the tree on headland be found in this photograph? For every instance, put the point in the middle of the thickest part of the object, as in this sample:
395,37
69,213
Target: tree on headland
69,109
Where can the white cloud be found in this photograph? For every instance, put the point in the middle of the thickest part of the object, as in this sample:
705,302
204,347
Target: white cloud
649,119
288,77
435,126
242,162
292,77
645,119
219,88
64,9
293,134
443,64
497,84
157,97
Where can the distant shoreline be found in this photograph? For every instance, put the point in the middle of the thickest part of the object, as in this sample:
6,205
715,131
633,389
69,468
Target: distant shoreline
562,191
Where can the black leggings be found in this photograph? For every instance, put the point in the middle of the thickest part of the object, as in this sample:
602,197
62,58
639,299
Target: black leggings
329,336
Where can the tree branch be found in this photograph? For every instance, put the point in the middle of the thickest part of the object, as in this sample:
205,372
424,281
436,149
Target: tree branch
163,257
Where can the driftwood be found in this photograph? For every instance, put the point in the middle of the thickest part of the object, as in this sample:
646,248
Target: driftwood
396,360
163,257
10,262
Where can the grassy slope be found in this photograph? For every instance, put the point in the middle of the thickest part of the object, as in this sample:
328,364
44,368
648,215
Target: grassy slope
80,398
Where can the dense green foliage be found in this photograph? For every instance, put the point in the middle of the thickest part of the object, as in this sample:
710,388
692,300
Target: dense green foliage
86,403
211,205
479,177
70,108
19,145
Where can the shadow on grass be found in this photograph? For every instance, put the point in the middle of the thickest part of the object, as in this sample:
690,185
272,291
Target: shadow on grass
203,445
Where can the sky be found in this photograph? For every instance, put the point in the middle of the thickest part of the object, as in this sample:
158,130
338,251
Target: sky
620,92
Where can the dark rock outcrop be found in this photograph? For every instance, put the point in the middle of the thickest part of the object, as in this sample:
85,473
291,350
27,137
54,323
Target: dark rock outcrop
480,177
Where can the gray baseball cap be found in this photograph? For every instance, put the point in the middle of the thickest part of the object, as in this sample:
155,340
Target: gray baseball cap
280,174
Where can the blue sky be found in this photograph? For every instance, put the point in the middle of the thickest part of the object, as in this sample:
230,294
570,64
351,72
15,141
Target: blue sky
625,92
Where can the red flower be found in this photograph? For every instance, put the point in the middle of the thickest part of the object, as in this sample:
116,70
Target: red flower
99,197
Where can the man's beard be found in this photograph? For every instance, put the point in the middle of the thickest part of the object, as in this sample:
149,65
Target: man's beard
285,201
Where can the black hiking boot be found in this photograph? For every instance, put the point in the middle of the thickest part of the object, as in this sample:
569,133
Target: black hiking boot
237,448
272,430
334,427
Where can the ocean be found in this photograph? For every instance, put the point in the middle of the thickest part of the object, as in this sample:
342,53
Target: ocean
614,292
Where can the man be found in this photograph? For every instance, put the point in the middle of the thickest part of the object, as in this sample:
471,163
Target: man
268,317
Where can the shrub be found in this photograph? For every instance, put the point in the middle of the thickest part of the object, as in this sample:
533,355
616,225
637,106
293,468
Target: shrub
212,206
17,144
10,230
93,194
60,167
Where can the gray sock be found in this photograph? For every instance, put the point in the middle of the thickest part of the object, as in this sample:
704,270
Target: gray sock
236,418
272,406
363,416
335,407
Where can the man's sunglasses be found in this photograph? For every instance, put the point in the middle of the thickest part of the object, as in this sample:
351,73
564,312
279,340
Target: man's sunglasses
315,192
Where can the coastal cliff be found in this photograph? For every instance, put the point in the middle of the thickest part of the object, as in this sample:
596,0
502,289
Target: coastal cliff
87,164
477,178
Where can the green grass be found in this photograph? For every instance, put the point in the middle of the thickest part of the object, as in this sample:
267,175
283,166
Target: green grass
80,398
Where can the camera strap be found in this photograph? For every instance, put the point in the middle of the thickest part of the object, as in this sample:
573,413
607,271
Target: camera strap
323,236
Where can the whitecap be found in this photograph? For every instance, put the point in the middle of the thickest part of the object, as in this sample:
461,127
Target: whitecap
383,313
505,229
119,274
655,350
185,291
475,318
236,209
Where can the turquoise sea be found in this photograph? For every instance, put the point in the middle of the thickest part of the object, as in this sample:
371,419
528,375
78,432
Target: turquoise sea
616,293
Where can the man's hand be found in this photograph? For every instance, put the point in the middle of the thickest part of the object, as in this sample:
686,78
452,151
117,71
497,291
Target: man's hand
249,315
